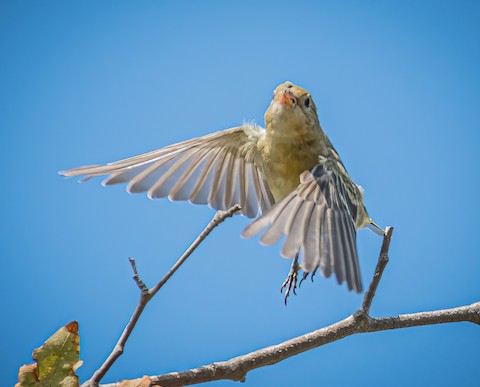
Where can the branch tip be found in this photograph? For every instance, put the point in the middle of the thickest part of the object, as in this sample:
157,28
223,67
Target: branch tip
220,215
141,285
134,265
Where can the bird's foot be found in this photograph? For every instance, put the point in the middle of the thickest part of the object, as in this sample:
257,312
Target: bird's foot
290,283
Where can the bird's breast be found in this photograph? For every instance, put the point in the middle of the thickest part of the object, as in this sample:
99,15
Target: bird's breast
284,161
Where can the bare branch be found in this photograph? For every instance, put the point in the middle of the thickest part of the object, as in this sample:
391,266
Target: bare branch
147,294
237,368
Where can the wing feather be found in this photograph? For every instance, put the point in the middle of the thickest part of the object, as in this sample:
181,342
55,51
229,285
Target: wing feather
220,169
276,229
319,217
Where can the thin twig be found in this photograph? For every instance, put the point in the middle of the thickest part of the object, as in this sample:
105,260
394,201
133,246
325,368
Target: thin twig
219,217
147,294
377,276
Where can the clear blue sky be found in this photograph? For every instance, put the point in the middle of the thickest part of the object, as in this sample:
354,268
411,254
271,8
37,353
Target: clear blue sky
397,85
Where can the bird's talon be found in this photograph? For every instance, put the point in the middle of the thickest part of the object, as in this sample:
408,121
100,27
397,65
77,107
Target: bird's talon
290,283
304,277
313,274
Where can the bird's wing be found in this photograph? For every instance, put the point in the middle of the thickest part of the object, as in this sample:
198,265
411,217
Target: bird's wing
319,218
220,169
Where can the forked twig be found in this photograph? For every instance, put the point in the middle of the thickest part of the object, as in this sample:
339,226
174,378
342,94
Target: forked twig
146,294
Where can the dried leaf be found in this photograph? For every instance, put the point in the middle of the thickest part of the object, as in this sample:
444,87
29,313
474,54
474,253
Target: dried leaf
56,361
143,382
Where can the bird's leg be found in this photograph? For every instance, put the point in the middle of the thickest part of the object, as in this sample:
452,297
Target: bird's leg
291,281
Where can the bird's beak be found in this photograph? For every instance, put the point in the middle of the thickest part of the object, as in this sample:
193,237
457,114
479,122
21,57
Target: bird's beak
287,98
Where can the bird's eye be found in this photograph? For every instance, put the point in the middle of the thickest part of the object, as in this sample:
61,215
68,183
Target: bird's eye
307,102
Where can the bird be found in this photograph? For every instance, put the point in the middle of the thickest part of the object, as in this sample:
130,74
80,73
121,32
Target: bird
288,176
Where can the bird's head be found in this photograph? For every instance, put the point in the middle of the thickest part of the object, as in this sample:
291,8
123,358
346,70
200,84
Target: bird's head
292,110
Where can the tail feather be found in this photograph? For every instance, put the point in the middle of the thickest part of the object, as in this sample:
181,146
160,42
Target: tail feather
372,226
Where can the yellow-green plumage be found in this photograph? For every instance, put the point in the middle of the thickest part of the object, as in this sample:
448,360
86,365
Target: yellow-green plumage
288,173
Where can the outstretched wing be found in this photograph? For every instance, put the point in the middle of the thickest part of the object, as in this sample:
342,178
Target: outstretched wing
220,169
319,218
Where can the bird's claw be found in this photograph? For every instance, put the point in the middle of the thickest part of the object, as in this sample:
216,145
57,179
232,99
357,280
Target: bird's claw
290,283
305,276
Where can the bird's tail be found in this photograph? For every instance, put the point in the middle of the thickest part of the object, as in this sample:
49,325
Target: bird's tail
372,226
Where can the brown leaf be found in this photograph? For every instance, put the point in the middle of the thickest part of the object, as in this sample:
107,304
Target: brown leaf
143,382
56,360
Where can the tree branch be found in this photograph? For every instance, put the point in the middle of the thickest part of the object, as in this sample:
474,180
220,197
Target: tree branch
237,368
147,294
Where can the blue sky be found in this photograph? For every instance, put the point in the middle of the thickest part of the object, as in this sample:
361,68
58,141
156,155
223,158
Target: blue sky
397,86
